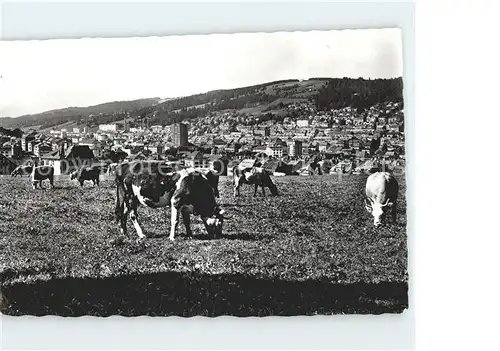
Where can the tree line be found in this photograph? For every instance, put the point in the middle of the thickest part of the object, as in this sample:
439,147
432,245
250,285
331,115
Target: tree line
358,93
336,93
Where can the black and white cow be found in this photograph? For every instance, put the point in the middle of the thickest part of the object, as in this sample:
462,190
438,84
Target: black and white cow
156,184
381,196
212,177
87,173
21,170
253,175
39,173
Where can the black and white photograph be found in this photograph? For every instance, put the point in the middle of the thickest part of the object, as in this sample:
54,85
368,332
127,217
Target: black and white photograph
246,175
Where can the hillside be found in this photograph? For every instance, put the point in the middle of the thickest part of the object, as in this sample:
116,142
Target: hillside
268,98
55,117
325,93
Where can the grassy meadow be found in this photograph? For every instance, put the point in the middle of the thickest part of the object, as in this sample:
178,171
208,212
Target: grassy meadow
311,250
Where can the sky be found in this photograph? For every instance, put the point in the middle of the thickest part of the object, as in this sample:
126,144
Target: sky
40,75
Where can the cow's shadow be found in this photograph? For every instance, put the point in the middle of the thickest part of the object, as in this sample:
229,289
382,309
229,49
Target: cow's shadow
201,236
229,205
156,235
236,236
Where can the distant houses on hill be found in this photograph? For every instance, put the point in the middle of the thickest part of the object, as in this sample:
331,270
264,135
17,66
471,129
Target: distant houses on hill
306,142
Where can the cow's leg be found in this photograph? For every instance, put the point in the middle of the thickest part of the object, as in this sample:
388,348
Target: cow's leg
123,219
263,190
81,182
187,221
174,220
394,212
97,181
121,209
51,182
236,191
134,217
256,187
237,185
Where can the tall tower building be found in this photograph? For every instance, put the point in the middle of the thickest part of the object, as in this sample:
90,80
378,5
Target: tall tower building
180,134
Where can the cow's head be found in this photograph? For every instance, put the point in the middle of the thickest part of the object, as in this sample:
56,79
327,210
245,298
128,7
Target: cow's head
378,210
74,175
214,223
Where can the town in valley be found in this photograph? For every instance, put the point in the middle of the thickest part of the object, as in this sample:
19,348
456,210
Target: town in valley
293,127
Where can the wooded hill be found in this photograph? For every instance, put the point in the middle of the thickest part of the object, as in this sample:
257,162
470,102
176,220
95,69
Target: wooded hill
325,93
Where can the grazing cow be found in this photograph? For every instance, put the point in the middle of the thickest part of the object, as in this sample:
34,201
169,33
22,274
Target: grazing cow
22,170
381,196
38,174
212,177
87,173
155,184
253,175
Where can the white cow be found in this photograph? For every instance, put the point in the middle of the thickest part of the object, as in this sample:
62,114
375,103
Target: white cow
381,196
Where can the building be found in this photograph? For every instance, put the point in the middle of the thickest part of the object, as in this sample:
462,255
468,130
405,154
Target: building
101,137
322,146
180,134
41,148
295,148
6,149
195,159
31,144
302,123
16,150
25,139
266,131
67,160
156,149
274,150
108,127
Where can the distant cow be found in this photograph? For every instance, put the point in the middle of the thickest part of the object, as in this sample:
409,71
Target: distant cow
381,196
253,175
87,173
155,184
38,174
111,168
21,170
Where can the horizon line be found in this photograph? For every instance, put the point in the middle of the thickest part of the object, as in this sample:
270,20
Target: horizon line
184,96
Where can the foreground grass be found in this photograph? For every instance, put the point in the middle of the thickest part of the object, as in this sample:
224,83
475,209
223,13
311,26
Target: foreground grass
314,241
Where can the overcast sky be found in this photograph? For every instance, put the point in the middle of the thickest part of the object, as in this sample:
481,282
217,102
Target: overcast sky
47,74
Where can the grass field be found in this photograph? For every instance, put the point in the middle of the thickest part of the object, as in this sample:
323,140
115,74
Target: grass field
311,250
